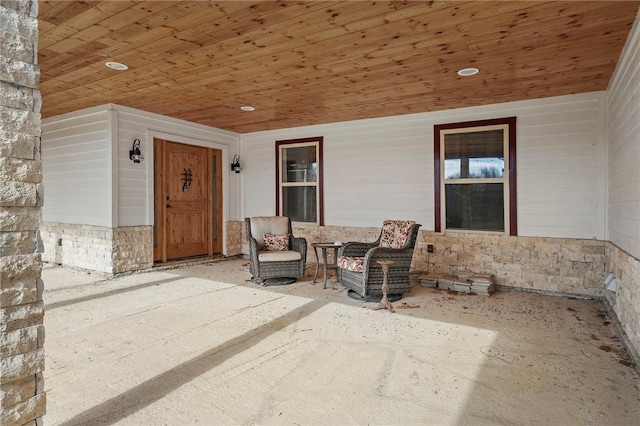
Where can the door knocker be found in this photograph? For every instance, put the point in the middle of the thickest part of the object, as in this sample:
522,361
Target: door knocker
187,177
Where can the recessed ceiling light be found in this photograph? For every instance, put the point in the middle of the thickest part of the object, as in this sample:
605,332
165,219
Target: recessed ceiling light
247,108
116,66
467,72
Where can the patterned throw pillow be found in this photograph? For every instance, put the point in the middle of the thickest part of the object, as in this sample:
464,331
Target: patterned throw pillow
395,233
274,242
354,264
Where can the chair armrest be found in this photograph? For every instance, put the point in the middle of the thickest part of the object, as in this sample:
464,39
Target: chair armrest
384,253
356,249
298,244
253,246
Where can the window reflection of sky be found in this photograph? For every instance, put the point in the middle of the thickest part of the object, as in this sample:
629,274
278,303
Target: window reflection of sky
478,168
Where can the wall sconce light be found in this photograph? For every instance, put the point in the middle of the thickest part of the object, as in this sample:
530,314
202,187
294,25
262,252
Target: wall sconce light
135,155
235,166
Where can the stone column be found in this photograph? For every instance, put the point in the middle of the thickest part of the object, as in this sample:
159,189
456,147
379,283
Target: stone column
22,397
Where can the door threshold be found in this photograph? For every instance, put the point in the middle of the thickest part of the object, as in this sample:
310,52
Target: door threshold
187,261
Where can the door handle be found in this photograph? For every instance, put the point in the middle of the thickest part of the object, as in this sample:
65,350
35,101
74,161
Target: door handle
168,206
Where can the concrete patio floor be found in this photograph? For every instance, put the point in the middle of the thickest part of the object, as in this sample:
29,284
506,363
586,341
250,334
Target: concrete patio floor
202,345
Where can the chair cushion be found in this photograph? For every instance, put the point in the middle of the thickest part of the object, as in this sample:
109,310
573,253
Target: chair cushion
395,233
274,242
261,225
278,256
354,264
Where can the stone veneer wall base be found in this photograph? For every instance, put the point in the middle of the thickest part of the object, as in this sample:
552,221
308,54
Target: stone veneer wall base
624,303
115,251
556,265
235,237
109,251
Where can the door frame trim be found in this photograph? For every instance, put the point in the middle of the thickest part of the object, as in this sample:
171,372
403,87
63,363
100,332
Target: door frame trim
149,137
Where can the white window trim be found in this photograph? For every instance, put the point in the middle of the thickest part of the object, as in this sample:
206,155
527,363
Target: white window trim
315,184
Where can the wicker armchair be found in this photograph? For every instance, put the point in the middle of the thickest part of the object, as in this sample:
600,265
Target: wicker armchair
280,263
360,272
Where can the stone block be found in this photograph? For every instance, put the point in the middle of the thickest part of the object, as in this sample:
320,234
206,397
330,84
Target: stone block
429,280
15,391
19,341
461,286
20,49
21,316
17,144
13,96
23,7
235,237
22,365
13,21
572,285
594,248
19,277
20,170
18,194
20,73
466,257
446,281
19,218
482,257
19,293
481,278
482,291
17,243
14,268
581,267
18,120
508,243
24,412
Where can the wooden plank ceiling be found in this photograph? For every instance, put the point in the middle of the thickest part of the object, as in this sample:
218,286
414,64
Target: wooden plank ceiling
303,63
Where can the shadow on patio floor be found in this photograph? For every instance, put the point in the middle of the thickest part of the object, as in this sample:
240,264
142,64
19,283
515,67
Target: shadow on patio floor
207,346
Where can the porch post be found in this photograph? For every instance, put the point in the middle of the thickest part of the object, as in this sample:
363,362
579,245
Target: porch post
22,397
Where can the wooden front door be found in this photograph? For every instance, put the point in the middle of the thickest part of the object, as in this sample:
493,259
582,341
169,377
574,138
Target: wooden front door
186,181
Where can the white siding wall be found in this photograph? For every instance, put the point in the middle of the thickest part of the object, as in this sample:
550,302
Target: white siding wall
135,181
89,178
76,166
623,135
561,168
383,168
623,128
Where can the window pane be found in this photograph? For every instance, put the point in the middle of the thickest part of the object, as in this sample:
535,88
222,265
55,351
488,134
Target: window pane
299,164
478,207
299,203
474,155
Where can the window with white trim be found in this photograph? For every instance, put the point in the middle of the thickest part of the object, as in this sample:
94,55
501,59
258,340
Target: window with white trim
475,176
299,179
